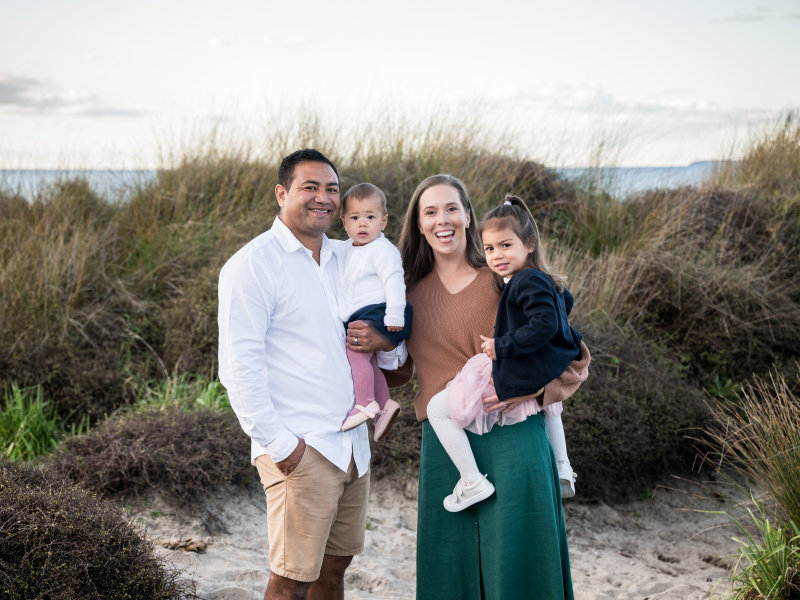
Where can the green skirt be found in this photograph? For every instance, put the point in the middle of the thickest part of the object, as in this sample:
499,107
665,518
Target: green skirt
512,546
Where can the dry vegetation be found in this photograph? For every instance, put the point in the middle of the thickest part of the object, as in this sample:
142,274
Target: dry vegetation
58,541
109,315
676,290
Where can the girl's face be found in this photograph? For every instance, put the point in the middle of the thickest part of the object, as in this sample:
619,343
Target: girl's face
364,219
443,220
505,252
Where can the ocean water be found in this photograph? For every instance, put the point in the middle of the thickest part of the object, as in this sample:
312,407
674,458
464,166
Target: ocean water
107,183
617,181
626,181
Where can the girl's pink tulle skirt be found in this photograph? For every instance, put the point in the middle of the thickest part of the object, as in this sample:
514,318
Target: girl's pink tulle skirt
473,383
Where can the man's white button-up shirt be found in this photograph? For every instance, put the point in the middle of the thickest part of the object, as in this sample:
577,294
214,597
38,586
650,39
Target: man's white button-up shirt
282,349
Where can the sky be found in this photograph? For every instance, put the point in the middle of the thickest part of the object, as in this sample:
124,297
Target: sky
110,84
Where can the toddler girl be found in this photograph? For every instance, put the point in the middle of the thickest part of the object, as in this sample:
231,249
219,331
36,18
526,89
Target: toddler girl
371,289
534,351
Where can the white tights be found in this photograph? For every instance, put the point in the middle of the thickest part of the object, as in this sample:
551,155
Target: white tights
455,442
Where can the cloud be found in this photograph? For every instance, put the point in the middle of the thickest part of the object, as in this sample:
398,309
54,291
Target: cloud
27,95
738,19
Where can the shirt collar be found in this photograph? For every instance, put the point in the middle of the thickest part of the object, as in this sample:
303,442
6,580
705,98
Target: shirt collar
289,243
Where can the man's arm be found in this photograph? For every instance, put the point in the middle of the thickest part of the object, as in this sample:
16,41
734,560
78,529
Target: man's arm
246,302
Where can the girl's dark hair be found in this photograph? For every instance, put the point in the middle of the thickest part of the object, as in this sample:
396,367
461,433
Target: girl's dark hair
361,191
514,214
414,249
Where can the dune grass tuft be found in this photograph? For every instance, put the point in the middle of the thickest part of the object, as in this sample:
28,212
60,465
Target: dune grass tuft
758,434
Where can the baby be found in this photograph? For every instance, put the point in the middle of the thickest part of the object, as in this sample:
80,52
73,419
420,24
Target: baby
371,289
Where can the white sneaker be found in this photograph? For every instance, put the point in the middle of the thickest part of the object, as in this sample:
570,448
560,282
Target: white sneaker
567,478
464,496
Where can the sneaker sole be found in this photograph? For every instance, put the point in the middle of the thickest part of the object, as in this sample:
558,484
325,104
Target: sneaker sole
566,490
469,502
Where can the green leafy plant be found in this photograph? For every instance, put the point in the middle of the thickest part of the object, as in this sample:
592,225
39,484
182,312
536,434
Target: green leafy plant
180,390
29,425
768,561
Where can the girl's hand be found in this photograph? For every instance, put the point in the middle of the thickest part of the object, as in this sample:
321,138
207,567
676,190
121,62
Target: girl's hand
393,328
488,347
363,338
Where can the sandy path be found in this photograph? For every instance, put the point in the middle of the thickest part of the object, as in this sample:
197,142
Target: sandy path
656,549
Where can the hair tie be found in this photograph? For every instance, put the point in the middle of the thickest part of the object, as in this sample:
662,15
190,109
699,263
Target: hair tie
508,202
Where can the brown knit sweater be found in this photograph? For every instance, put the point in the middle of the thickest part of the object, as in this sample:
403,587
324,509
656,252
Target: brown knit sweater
446,331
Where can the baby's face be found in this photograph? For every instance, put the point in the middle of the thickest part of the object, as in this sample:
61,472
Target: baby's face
364,219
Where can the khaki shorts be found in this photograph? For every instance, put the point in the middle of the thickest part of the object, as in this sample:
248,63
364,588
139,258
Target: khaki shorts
315,510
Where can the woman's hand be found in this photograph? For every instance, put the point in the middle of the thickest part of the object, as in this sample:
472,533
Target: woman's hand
363,338
492,403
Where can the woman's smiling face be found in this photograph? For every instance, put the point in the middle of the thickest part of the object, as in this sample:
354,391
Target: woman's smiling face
443,220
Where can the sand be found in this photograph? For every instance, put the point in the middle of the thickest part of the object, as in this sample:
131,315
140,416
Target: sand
659,548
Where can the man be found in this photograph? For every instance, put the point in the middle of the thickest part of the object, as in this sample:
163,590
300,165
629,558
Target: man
282,359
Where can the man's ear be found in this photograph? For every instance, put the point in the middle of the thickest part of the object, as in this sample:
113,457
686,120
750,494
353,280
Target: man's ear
280,194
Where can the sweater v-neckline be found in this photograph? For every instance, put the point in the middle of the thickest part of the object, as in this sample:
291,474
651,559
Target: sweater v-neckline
446,289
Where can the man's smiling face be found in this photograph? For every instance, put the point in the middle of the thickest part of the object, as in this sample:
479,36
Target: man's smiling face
311,204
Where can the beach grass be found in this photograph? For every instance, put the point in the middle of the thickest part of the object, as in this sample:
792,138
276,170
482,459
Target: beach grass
110,303
758,434
767,559
108,333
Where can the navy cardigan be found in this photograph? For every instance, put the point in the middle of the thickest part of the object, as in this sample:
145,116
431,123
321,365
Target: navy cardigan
533,339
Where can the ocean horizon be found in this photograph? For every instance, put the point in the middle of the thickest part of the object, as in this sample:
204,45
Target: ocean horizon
117,183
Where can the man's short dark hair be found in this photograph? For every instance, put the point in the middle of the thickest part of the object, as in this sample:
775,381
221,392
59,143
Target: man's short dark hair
286,168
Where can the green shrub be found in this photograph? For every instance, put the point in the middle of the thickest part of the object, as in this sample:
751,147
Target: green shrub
627,425
29,425
57,541
768,562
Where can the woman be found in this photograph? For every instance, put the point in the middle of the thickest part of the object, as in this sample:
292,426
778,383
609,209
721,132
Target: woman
512,545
